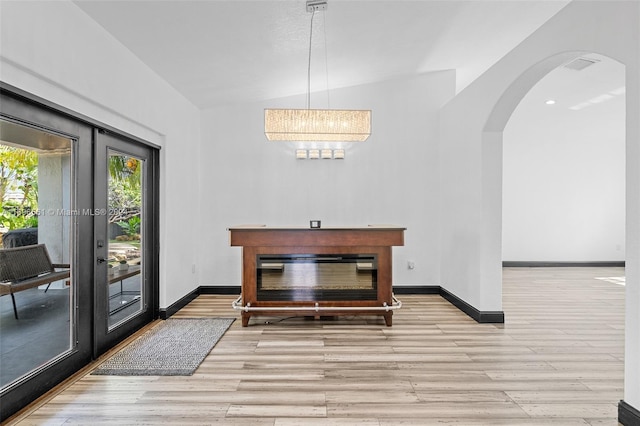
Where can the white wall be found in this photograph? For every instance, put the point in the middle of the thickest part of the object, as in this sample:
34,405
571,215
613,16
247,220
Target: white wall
564,169
471,156
389,179
53,50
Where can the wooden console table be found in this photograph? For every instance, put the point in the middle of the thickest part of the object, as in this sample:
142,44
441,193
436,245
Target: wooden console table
261,240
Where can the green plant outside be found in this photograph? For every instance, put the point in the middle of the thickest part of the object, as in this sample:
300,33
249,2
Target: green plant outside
18,172
131,227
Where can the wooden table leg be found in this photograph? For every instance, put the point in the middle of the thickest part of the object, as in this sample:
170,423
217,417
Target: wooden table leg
388,318
245,319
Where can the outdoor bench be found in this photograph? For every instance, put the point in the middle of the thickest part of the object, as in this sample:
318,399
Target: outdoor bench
22,268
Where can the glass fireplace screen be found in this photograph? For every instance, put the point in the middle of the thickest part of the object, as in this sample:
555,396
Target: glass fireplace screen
311,277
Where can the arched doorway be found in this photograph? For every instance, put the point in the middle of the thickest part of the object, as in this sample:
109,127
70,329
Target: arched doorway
563,220
491,160
563,169
470,155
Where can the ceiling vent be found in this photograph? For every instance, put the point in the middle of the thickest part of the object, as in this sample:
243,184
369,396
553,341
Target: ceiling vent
580,63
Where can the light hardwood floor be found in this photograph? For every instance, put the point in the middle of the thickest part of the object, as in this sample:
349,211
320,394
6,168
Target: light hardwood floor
557,360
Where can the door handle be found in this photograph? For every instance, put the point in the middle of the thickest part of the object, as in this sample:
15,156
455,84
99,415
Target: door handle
101,260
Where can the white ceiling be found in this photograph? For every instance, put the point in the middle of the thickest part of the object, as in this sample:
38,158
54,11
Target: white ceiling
217,52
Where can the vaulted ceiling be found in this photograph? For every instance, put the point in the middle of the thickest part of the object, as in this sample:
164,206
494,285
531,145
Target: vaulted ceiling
218,52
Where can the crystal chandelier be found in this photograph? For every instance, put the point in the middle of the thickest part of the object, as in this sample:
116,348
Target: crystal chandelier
326,125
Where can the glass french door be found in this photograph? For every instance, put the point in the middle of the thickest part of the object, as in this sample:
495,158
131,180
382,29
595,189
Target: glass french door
89,198
124,192
46,175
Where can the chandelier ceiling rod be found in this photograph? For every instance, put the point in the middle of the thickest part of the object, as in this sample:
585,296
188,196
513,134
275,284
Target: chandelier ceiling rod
313,13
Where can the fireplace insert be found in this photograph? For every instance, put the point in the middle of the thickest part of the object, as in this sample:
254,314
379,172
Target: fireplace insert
314,277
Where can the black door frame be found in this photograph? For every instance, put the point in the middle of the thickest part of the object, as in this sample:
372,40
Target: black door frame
22,107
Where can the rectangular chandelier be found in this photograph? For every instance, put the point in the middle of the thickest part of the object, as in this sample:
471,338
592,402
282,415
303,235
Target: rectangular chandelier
317,125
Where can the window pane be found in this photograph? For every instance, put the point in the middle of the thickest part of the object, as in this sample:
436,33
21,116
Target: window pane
36,223
125,224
